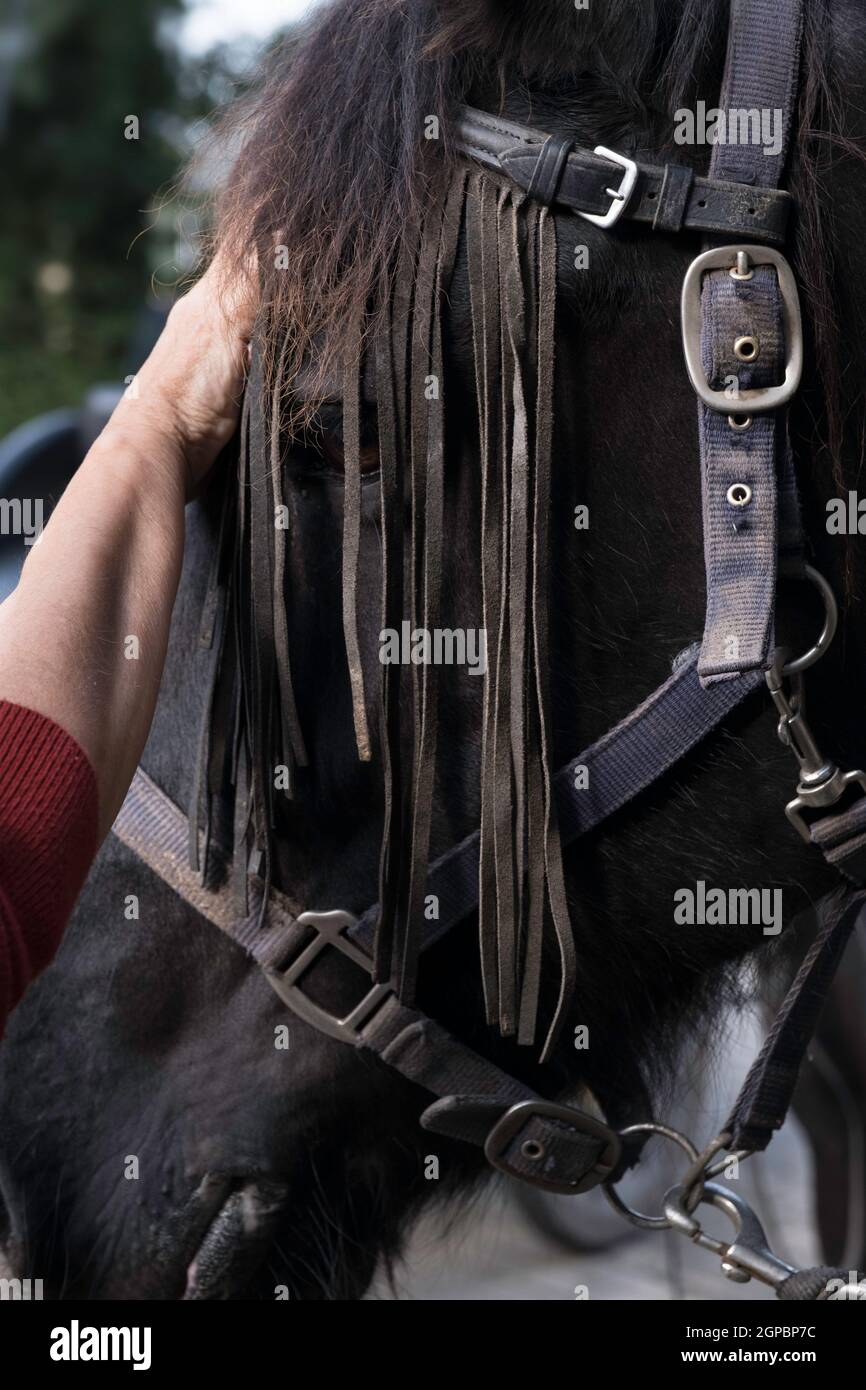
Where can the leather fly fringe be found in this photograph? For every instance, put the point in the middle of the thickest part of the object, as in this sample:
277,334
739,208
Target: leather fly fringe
512,275
410,391
251,739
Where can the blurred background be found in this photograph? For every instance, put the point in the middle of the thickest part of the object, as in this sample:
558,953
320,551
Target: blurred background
101,106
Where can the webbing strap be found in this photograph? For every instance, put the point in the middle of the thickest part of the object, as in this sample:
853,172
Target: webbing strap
740,539
155,829
601,780
571,1149
842,841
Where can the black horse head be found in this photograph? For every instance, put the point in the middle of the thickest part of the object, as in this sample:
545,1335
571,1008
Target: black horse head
163,1132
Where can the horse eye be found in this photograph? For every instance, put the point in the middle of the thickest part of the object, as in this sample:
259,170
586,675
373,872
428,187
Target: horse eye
330,438
331,445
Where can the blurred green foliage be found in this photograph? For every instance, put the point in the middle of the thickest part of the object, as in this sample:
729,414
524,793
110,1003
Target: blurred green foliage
77,194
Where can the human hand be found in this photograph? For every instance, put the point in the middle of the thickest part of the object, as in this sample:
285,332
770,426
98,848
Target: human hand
184,403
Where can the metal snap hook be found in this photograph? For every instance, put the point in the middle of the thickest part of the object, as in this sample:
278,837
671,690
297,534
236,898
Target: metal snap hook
748,1255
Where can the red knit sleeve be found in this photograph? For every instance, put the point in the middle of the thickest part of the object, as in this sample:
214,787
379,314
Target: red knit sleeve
48,837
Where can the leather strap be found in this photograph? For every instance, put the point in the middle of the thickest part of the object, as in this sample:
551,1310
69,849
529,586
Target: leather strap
547,173
709,205
570,1150
673,197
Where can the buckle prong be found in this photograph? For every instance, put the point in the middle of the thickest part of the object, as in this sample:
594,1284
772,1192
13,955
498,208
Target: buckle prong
619,196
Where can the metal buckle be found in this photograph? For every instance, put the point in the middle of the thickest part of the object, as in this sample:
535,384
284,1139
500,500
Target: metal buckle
757,400
285,980
509,1125
619,195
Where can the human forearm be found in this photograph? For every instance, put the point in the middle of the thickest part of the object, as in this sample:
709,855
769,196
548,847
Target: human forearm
83,637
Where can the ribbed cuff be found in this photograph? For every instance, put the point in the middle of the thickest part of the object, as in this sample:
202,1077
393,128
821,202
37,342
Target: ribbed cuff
48,837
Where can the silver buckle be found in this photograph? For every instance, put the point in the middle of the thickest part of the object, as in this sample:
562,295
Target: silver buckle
760,399
619,195
331,928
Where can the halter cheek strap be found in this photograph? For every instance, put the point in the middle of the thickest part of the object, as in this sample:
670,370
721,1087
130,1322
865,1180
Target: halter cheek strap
750,340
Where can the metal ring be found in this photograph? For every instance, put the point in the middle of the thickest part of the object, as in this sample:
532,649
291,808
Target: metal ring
739,495
709,1163
747,348
740,424
713,1170
638,1218
831,618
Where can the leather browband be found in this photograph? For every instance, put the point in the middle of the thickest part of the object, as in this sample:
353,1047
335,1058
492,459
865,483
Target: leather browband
583,180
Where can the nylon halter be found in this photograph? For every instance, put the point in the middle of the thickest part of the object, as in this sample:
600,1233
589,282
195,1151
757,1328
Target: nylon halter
740,320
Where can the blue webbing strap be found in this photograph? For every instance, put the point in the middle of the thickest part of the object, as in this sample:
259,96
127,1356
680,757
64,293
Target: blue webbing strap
621,764
741,542
625,761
